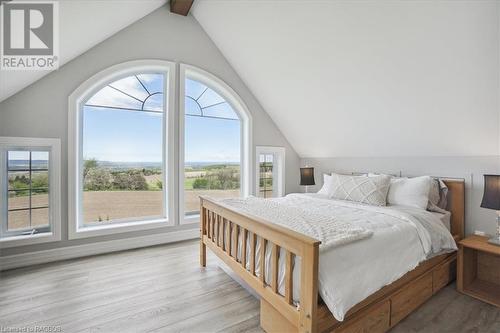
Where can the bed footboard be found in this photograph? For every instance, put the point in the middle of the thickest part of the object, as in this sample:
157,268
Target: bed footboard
220,228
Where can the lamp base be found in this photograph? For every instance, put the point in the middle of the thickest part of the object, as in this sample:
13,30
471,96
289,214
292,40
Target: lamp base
494,241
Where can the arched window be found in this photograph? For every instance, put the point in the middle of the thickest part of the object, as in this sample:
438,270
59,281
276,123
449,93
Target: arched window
122,151
126,155
215,145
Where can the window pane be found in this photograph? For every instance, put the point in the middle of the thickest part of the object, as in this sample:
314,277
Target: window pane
39,217
19,180
112,98
123,154
18,160
132,86
19,199
212,147
39,180
19,219
209,97
152,82
40,198
40,160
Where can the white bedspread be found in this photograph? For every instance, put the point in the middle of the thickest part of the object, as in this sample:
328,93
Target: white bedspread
331,229
396,239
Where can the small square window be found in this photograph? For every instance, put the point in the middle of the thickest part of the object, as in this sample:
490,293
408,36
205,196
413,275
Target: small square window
28,182
28,189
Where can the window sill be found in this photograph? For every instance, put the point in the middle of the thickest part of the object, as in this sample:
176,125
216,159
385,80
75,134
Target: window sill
116,228
21,240
190,219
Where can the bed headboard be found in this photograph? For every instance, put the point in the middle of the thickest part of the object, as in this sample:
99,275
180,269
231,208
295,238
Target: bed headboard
456,205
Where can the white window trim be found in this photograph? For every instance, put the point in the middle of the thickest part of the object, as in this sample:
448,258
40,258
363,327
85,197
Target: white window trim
76,101
54,190
279,164
226,92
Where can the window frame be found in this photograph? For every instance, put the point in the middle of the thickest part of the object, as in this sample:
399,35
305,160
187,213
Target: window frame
77,100
278,166
53,146
238,106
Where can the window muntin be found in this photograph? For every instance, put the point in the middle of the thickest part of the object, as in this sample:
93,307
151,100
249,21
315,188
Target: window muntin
122,156
28,200
212,144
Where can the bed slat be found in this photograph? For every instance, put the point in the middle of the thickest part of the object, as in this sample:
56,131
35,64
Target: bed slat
235,241
253,241
220,231
263,243
227,243
212,225
289,277
274,264
244,249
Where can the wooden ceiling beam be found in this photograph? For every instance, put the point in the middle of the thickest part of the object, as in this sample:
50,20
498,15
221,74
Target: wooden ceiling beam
180,7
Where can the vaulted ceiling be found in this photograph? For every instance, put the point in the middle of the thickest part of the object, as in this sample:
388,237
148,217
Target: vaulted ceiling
368,78
82,25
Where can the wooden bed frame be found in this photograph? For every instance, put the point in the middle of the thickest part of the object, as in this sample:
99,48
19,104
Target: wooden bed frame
220,226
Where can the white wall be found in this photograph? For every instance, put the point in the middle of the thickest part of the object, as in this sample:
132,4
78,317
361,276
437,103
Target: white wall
368,78
41,110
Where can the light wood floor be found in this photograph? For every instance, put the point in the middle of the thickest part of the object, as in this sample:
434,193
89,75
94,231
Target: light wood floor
163,289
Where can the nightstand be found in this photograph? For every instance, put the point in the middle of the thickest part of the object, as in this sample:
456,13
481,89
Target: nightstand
478,269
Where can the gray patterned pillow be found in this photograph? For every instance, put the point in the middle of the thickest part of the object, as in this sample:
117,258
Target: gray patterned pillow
367,190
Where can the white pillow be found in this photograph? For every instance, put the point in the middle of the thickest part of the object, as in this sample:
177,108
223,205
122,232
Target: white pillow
327,186
368,190
412,192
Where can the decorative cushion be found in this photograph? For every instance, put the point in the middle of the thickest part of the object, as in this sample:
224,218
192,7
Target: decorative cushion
368,190
327,186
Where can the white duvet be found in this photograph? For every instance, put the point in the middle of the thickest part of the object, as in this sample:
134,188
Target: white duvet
395,240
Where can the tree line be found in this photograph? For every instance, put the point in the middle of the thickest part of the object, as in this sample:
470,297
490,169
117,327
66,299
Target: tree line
96,178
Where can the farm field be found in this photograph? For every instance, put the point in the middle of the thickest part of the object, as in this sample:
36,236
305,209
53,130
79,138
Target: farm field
111,204
117,192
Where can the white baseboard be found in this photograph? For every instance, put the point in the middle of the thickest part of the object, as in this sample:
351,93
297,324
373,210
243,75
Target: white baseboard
70,252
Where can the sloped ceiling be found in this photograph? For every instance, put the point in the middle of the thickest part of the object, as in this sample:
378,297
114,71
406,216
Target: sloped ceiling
82,25
368,78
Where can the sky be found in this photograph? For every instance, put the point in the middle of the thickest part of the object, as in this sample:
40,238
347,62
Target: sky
122,135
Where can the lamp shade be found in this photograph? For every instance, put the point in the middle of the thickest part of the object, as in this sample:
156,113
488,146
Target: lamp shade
307,176
491,196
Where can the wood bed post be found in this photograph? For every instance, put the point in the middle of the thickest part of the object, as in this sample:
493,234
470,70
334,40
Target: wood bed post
309,289
203,226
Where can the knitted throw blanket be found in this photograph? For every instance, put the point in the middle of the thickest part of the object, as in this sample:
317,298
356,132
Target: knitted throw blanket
306,216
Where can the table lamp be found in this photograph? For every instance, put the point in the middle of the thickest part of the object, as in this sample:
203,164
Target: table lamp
491,200
307,177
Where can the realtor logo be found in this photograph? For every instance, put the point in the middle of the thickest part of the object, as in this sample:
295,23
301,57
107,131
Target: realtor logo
29,35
